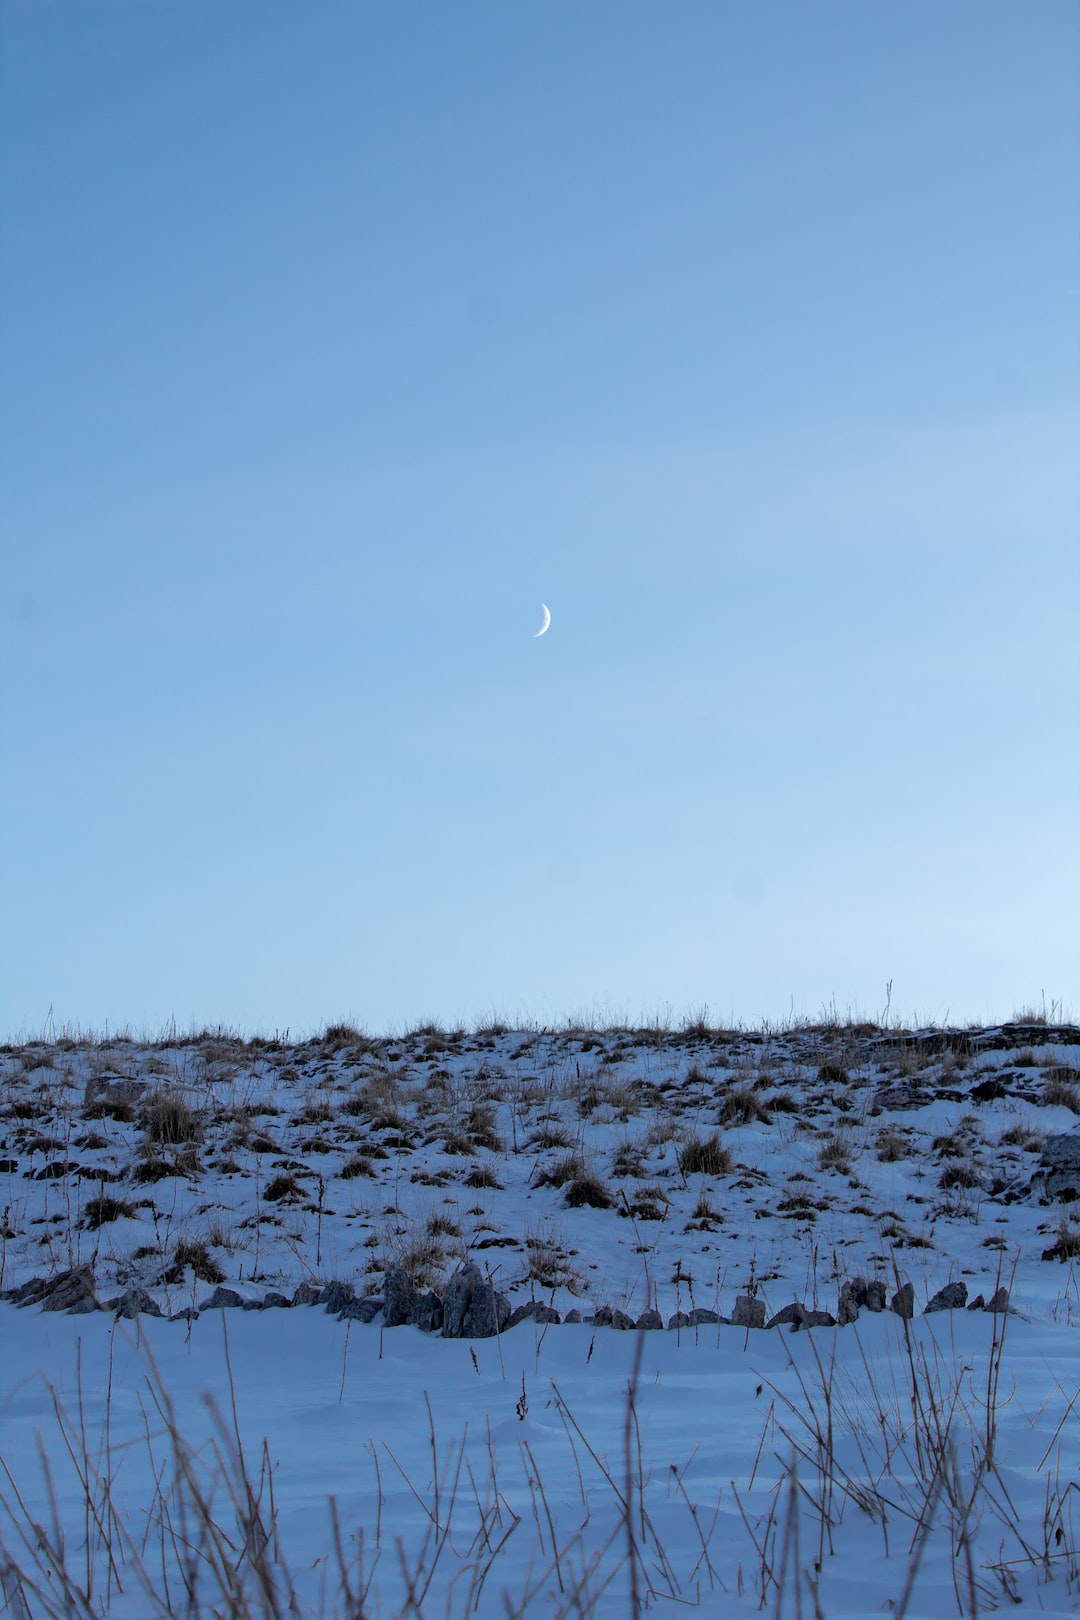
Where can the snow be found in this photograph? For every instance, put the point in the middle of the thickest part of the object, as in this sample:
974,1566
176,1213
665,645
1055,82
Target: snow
679,1492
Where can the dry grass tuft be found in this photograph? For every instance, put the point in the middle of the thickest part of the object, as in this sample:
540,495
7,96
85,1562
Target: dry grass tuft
891,1145
169,1120
742,1105
193,1252
1060,1092
100,1211
588,1191
483,1176
704,1156
835,1154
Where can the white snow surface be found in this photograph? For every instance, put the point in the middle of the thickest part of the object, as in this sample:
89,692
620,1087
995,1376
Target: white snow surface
875,1468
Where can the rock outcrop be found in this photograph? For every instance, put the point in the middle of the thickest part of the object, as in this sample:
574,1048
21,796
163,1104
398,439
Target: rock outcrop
1058,1174
72,1291
953,1297
749,1312
471,1307
399,1297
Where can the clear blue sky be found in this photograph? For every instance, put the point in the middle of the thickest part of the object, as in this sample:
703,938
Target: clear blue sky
336,336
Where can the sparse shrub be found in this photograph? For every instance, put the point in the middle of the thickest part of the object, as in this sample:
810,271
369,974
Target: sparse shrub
1059,1091
587,1190
220,1236
891,1145
148,1168
281,1187
628,1159
99,1211
455,1143
109,1108
664,1129
743,1106
378,1100
569,1168
549,1265
337,1037
1066,1245
590,1099
169,1120
358,1165
835,1154
549,1135
423,1259
647,1204
1022,1136
482,1129
833,1074
704,1211
483,1176
780,1102
959,1175
440,1225
193,1252
316,1112
704,1156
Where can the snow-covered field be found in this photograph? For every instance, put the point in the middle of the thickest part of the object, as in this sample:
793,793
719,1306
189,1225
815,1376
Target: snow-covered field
927,1467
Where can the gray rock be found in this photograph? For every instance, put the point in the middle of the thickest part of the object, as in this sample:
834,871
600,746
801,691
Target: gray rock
399,1297
793,1313
999,1300
852,1299
223,1299
953,1297
903,1094
678,1320
188,1314
71,1288
813,1319
335,1297
112,1089
648,1321
471,1308
573,1315
428,1313
1061,1152
28,1293
135,1302
903,1301
601,1317
307,1293
622,1321
1058,1173
748,1312
83,1307
533,1310
361,1310
276,1302
875,1295
254,1305
701,1317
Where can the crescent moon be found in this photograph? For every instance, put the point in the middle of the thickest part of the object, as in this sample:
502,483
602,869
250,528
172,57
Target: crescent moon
547,620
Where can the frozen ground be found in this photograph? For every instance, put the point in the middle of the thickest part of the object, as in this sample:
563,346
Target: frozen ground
840,1151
